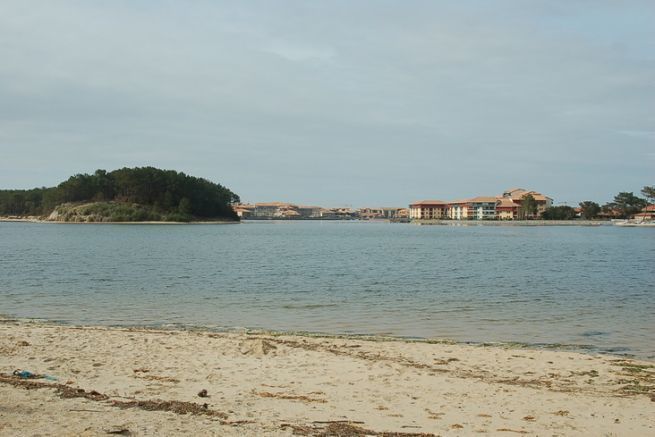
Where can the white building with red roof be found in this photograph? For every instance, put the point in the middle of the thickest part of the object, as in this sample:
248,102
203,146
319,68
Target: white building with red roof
504,207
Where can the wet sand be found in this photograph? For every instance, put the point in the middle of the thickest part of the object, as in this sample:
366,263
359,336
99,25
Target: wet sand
130,381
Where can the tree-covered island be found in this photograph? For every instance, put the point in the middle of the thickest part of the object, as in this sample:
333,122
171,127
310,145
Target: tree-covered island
125,195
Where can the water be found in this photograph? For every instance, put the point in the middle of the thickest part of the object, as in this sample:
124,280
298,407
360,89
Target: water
584,286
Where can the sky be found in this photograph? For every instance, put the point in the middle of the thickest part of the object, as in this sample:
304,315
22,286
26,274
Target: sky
366,103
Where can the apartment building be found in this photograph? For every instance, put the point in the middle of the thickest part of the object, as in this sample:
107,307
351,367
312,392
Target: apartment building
482,208
310,211
244,210
504,207
272,210
428,210
283,210
507,209
382,213
518,194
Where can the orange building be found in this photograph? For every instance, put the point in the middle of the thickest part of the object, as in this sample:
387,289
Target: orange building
505,207
428,210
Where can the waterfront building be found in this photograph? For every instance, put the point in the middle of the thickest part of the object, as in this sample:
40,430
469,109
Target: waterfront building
338,214
271,209
393,212
370,213
344,213
503,207
457,210
309,211
428,210
517,195
481,208
244,210
506,209
383,213
403,213
646,214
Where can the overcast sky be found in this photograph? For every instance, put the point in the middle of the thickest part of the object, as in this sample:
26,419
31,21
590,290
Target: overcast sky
334,102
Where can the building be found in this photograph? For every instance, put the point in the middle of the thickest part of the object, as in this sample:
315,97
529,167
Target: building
270,210
504,207
384,213
344,213
457,210
517,195
647,214
310,212
371,213
244,210
428,210
481,208
338,214
403,214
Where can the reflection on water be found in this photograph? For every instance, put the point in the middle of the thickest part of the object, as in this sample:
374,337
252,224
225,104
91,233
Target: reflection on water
539,285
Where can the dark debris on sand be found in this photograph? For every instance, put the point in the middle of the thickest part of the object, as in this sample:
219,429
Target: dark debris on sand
178,407
67,392
346,429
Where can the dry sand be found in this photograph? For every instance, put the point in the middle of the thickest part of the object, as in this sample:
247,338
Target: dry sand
146,382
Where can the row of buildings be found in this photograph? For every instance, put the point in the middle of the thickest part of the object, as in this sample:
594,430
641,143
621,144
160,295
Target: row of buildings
511,205
504,207
290,211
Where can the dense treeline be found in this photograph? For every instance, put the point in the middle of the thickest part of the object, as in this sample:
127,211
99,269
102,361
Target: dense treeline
624,205
559,213
165,191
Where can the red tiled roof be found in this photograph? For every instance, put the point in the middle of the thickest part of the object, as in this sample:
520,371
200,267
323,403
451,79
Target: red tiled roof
429,203
458,202
274,204
506,203
482,199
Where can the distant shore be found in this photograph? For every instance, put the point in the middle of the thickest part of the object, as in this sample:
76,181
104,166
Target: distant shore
40,220
134,381
514,222
421,222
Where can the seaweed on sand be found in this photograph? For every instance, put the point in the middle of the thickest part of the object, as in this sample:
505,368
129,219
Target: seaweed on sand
341,428
67,392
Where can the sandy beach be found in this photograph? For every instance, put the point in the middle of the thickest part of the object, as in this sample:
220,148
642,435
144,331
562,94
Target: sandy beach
132,381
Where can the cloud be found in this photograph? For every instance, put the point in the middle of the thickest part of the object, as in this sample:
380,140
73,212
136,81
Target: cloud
299,52
645,134
399,100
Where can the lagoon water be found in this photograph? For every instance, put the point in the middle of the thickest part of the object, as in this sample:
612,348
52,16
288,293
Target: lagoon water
591,288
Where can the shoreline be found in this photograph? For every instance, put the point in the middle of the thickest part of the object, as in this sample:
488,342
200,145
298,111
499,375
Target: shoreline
147,381
526,223
585,349
43,221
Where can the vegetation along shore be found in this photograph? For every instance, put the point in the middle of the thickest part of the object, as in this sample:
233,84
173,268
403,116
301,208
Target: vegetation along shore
141,194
